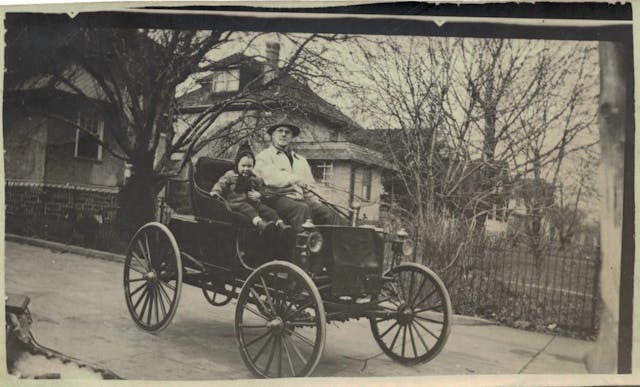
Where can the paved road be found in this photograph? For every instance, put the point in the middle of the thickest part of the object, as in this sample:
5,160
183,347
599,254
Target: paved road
78,308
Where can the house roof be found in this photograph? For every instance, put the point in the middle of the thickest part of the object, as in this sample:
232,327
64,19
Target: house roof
376,139
284,92
80,79
342,150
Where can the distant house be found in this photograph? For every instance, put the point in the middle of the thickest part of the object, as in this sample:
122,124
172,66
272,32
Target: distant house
344,171
531,206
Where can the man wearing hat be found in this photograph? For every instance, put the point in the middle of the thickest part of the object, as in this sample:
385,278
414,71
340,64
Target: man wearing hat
286,174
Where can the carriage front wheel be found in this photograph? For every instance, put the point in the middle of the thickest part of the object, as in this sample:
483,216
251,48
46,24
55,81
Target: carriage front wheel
153,277
414,318
280,324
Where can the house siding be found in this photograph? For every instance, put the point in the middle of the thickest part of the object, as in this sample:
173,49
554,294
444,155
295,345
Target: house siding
338,192
371,211
62,167
25,140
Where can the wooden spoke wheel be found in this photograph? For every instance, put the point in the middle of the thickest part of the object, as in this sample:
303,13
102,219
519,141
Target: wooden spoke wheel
153,277
280,324
217,298
418,319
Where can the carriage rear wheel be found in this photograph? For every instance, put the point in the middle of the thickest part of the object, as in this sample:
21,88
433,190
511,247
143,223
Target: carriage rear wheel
418,322
280,324
218,297
153,277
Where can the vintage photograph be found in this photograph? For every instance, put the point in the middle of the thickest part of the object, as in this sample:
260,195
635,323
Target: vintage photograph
227,192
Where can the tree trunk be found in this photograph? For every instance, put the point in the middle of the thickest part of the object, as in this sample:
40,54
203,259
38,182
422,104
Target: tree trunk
137,198
612,121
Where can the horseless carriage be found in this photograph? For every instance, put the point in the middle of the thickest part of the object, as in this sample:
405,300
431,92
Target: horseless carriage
283,304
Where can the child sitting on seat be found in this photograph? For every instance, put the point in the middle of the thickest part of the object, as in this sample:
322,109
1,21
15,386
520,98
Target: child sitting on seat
240,187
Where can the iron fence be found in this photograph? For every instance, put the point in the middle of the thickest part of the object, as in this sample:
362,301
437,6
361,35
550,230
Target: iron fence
70,214
555,287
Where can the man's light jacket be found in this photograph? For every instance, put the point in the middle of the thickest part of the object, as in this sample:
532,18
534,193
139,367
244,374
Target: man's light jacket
281,177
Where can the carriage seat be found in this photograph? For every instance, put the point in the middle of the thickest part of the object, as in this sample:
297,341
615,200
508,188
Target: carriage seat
206,173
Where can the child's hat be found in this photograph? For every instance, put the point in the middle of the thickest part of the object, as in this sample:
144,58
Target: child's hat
244,150
245,147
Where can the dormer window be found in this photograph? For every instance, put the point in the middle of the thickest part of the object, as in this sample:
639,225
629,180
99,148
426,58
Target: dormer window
225,81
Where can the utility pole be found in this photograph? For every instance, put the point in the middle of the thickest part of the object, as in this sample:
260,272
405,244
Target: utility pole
615,78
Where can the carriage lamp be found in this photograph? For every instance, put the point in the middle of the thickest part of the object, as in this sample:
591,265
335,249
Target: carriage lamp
308,225
403,245
408,247
314,242
305,244
402,233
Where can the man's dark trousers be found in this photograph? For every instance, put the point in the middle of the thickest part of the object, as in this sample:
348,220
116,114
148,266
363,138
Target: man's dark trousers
296,212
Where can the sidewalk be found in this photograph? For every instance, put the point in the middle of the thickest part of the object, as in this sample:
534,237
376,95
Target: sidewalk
78,308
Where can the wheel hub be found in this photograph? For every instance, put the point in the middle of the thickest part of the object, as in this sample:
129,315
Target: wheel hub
150,276
276,324
405,314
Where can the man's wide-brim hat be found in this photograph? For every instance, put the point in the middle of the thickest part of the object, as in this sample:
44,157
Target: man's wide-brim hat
295,130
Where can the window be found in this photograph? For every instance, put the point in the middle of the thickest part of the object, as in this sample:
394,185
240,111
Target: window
86,145
323,172
127,170
365,193
225,81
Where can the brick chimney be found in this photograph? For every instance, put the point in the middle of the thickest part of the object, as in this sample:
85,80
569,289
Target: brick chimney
271,64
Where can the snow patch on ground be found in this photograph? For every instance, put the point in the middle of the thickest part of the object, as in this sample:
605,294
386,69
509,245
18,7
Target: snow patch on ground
34,366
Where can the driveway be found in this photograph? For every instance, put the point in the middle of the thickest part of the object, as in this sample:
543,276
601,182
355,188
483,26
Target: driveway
78,309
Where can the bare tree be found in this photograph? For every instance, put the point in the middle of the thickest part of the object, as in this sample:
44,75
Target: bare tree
135,74
576,198
469,118
403,90
522,102
556,124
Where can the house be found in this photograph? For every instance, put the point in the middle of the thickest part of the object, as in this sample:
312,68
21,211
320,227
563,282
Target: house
42,145
60,184
345,172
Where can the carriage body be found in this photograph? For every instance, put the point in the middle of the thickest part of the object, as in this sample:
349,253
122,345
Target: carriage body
294,284
350,260
226,243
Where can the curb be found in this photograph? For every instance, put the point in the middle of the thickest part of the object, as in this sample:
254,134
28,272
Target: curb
459,319
64,248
